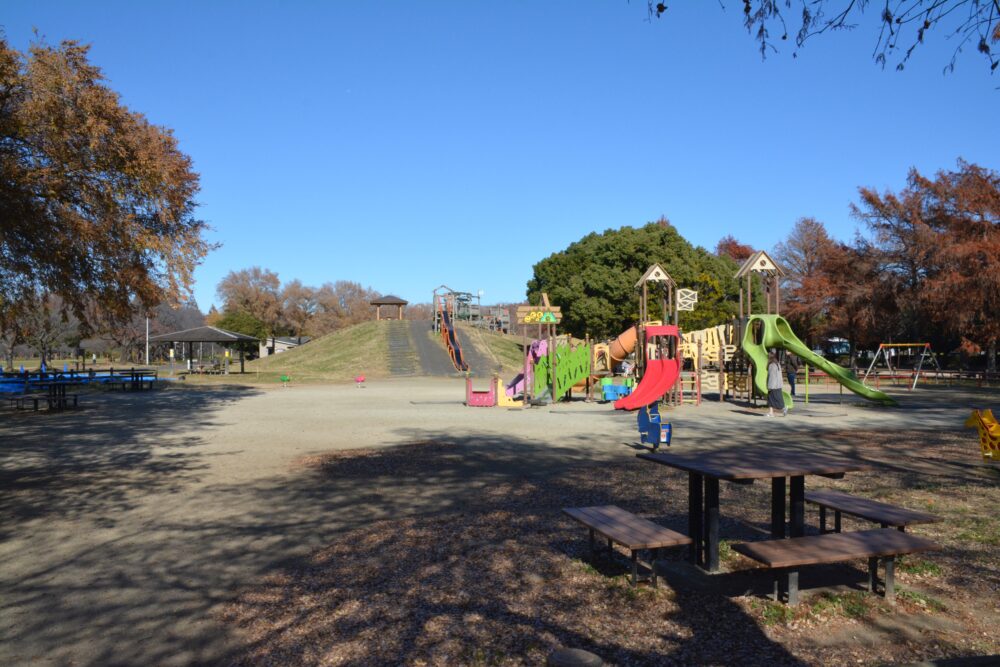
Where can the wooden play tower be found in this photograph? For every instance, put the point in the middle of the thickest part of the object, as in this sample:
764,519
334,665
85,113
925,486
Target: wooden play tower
738,367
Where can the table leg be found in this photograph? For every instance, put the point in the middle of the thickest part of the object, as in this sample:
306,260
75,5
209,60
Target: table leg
889,563
797,509
778,508
694,517
711,524
778,525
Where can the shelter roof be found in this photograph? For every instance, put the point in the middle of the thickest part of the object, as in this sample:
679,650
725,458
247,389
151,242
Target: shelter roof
202,335
388,300
760,262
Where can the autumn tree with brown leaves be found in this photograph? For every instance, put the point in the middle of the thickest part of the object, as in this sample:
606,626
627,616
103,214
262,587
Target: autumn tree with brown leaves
298,305
729,247
342,304
255,292
96,203
806,286
940,246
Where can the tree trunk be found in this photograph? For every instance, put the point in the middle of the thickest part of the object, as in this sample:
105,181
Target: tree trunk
991,356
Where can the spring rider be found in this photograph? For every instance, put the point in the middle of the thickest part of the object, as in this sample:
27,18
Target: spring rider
653,429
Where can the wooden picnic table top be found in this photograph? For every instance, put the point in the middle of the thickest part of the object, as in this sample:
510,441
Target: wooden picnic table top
743,464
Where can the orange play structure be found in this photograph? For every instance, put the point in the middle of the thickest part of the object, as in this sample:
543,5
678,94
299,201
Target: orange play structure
621,347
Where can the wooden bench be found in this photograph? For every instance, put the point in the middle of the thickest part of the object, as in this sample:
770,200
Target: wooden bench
57,402
878,544
870,510
624,528
62,402
21,402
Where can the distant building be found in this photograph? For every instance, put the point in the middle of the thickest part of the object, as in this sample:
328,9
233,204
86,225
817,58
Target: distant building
280,344
390,301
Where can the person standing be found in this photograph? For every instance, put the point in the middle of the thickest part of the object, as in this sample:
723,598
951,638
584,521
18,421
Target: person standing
791,370
775,401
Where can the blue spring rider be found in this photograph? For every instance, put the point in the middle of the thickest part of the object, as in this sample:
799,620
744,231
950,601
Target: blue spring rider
653,429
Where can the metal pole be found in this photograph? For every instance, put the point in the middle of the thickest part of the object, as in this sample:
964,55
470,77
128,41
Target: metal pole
807,384
147,341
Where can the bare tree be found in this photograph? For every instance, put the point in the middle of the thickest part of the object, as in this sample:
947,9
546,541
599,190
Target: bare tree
298,304
903,25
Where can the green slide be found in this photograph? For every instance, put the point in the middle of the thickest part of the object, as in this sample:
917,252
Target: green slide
778,333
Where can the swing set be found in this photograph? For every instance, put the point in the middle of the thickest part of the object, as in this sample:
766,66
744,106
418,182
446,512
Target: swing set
887,351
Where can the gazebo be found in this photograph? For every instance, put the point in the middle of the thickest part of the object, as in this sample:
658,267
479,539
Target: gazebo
389,300
205,335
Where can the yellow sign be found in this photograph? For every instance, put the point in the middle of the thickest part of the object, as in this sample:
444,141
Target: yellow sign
540,317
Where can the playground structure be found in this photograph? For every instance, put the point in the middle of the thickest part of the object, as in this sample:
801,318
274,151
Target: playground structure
445,305
773,331
729,359
495,396
758,333
657,345
465,307
888,352
553,364
989,433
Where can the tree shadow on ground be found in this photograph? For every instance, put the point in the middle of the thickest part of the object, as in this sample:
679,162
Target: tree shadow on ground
453,545
77,464
493,574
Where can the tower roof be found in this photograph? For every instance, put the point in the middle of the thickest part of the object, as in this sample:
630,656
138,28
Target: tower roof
760,262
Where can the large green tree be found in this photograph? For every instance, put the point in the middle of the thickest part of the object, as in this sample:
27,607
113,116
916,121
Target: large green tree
593,280
96,203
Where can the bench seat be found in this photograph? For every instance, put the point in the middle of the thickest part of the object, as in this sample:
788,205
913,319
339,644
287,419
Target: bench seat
632,532
870,510
877,544
61,402
21,401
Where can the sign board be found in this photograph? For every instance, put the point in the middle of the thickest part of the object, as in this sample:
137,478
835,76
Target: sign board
538,315
686,298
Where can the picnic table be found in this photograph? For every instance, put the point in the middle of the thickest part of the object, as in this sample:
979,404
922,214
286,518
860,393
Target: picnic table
786,470
56,397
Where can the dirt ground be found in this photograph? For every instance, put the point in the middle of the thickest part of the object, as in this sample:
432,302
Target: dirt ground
393,525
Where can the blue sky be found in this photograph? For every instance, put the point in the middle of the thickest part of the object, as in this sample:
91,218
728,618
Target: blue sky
404,145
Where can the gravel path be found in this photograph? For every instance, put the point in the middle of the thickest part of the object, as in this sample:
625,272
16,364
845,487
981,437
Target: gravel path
127,527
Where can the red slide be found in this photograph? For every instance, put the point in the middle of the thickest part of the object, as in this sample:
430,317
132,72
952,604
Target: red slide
660,374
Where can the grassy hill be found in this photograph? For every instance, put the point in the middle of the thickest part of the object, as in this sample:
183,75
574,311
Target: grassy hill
503,350
338,356
363,348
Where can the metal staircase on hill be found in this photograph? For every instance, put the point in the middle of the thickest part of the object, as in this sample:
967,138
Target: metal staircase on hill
402,357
